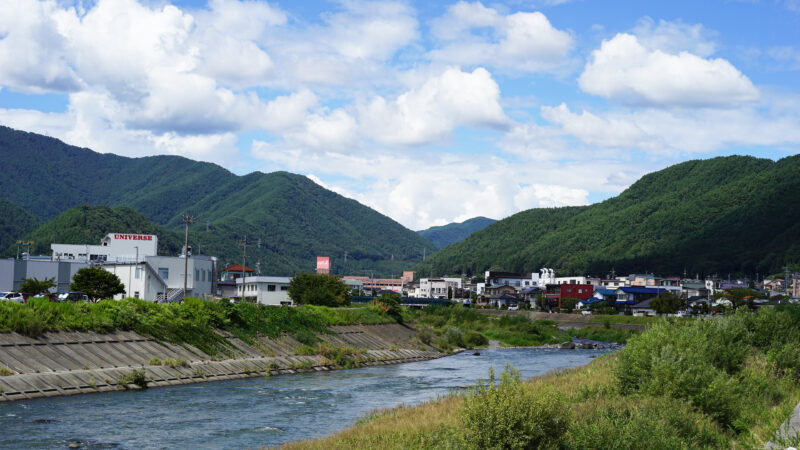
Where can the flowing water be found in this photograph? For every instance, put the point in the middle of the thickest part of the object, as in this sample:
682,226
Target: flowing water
257,412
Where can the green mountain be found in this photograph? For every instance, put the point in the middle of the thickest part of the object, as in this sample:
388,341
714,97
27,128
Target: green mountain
724,215
444,235
15,223
293,218
87,225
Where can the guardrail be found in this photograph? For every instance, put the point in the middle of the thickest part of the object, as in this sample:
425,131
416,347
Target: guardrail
407,301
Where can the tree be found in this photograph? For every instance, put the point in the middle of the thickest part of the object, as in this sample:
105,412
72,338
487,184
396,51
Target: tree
318,289
666,303
35,286
569,303
96,283
390,304
449,292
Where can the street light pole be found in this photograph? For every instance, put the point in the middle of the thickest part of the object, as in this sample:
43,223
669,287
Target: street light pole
187,219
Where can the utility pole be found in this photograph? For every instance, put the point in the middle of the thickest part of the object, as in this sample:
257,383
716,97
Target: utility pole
187,219
244,259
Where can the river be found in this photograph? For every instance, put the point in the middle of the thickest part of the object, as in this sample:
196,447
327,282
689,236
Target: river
259,411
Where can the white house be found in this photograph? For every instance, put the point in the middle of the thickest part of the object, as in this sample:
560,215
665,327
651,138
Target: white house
265,290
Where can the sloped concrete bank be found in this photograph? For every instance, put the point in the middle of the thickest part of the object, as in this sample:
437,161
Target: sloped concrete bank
67,363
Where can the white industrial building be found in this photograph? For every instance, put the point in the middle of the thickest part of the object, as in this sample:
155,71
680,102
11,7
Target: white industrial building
115,247
265,290
134,259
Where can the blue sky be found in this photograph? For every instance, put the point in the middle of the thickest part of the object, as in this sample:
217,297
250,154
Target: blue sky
429,112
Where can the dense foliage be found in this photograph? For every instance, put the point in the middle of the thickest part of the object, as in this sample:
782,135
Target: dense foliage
444,235
194,321
15,223
723,215
455,326
36,286
87,225
722,383
96,283
293,218
318,289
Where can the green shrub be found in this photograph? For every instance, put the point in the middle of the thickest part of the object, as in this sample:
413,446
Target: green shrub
306,337
508,415
453,336
5,371
137,377
154,361
475,339
305,350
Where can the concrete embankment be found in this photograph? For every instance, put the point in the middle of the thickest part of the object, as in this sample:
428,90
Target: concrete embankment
66,363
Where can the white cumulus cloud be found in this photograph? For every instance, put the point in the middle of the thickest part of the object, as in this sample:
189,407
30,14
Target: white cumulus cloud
518,42
624,69
431,111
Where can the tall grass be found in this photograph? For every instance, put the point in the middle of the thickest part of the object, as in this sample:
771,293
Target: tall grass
450,323
194,321
717,384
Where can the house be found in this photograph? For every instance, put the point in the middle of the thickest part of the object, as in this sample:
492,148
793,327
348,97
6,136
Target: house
777,284
643,308
694,289
498,289
605,294
234,271
505,299
439,287
555,293
589,303
530,295
630,296
264,290
518,281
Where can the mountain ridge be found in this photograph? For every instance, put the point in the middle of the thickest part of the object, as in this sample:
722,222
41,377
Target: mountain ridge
294,218
444,235
702,216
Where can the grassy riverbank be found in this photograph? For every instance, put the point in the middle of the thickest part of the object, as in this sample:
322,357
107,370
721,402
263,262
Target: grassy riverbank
723,383
194,321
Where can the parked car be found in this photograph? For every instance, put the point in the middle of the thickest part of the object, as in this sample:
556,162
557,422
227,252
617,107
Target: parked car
513,308
12,297
73,297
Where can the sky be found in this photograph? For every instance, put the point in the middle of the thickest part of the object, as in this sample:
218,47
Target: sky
429,112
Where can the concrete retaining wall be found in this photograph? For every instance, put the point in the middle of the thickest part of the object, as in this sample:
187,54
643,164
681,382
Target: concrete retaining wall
67,363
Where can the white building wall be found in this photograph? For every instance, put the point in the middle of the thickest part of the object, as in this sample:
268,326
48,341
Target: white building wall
115,247
266,290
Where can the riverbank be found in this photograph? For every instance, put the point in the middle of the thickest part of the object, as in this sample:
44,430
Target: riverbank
726,383
68,363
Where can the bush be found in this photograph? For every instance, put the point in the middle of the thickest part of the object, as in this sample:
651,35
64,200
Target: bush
137,377
508,415
475,339
306,337
453,336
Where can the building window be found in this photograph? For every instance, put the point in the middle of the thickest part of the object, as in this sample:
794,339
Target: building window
271,287
284,288
163,272
136,294
138,273
196,274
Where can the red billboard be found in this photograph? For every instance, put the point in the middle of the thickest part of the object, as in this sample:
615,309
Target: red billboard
323,264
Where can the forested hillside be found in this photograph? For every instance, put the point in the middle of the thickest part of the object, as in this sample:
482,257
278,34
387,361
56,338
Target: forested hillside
444,235
87,225
294,218
724,215
15,223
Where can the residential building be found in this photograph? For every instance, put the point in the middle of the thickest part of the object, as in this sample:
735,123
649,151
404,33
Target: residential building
518,281
634,294
555,293
438,287
694,289
377,284
265,290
